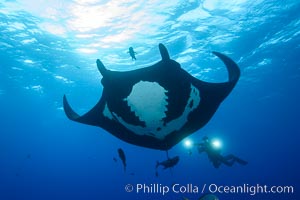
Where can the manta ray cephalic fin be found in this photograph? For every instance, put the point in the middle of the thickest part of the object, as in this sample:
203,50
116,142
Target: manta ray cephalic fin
164,52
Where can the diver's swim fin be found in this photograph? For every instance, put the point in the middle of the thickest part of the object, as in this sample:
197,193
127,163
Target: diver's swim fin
242,162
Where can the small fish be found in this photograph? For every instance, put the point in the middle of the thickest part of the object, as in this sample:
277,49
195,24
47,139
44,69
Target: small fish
132,53
122,157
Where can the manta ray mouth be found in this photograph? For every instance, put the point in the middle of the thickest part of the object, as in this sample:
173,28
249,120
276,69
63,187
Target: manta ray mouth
148,101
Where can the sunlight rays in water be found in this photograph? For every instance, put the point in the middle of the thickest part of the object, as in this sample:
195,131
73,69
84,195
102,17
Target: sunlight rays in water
105,29
111,23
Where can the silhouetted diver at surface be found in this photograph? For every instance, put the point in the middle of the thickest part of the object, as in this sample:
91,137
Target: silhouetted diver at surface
214,154
122,157
132,53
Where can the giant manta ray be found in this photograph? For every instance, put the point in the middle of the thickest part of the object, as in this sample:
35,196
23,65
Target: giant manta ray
156,106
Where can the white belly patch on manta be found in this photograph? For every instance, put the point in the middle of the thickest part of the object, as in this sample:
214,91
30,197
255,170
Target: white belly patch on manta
148,101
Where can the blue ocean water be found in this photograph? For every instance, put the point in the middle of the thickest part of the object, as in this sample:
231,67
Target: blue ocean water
49,48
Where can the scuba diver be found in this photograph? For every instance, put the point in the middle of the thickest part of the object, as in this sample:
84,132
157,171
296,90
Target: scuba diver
132,53
214,154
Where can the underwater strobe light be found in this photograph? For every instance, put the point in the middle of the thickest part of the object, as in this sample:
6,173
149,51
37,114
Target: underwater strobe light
188,143
216,143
